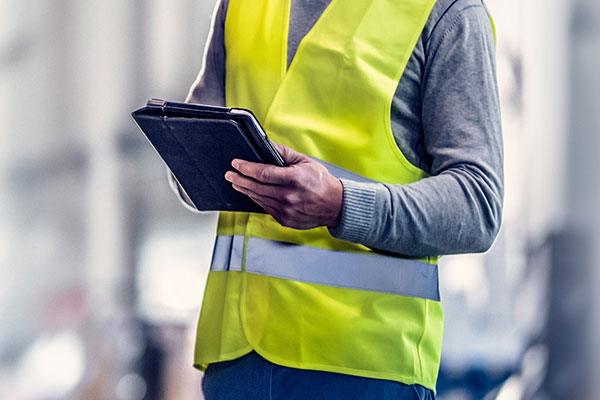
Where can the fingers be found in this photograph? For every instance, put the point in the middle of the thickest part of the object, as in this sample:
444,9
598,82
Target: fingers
257,197
263,172
241,181
268,204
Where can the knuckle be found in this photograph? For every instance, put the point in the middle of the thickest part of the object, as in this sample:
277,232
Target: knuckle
287,215
288,198
253,186
263,174
296,180
242,168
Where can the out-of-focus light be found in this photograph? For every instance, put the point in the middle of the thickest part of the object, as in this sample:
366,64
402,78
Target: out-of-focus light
458,394
180,290
4,244
512,389
465,274
52,366
507,81
131,387
172,274
5,266
533,367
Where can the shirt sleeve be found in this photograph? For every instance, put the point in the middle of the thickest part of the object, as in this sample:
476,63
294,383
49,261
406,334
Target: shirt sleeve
457,209
209,87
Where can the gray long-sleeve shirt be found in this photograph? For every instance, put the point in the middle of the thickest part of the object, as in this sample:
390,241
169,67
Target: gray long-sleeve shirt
445,118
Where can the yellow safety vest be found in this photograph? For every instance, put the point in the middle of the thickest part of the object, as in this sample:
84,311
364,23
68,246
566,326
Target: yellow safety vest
304,299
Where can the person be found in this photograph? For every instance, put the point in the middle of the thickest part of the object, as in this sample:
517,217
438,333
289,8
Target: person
387,114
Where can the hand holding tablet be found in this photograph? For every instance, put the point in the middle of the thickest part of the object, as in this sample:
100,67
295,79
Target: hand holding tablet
198,143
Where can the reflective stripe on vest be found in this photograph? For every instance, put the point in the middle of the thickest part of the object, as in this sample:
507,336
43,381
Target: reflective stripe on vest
372,272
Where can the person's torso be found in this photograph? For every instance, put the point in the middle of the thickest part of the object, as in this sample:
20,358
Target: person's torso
303,298
405,110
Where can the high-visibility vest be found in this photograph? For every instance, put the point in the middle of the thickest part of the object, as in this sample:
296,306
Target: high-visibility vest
304,299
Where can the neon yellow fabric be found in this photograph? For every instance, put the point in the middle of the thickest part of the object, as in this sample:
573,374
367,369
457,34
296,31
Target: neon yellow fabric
334,103
225,337
309,327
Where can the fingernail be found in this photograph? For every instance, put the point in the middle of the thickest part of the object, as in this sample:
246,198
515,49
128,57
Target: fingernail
228,176
235,163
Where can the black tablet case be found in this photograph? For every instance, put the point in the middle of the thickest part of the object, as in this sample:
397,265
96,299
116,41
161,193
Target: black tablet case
198,144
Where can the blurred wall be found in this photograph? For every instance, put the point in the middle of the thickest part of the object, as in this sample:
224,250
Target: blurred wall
81,193
574,332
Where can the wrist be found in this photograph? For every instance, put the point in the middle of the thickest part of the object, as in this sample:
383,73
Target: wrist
358,210
336,203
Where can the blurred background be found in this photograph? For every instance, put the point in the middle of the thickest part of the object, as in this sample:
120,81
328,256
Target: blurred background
102,270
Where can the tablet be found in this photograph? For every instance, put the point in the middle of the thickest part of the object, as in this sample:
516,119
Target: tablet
198,142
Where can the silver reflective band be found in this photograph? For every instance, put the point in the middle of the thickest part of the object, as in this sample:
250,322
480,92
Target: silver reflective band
371,272
227,253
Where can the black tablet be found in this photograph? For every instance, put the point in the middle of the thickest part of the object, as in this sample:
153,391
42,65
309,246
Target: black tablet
198,142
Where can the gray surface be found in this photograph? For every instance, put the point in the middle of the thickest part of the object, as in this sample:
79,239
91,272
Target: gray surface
445,119
372,272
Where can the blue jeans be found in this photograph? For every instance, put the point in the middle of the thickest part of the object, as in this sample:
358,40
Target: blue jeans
251,377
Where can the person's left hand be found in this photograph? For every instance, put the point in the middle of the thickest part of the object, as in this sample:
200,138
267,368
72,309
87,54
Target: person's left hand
303,195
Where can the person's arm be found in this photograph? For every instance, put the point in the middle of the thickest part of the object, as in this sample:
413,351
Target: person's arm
458,208
209,87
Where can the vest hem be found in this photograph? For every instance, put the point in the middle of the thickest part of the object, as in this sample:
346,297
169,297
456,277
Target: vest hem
390,376
202,365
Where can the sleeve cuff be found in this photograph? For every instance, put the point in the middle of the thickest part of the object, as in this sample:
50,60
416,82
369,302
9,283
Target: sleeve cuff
357,211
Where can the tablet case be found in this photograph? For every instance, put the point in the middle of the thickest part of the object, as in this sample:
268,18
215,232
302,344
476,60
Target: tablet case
198,143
